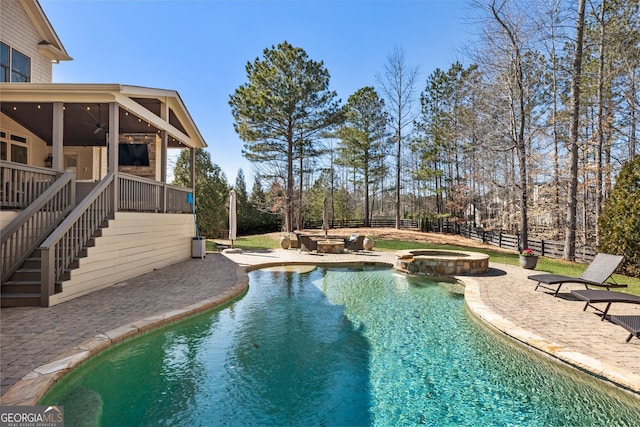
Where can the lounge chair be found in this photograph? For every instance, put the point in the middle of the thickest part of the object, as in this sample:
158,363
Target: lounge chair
600,269
594,296
355,243
307,243
630,322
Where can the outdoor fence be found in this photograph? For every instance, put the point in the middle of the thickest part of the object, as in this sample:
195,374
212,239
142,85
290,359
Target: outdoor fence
543,247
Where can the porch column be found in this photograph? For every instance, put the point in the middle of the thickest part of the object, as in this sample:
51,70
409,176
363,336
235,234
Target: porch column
164,142
57,137
112,139
192,170
112,143
163,167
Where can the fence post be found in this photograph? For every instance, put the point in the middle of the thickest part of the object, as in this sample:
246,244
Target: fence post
500,239
542,247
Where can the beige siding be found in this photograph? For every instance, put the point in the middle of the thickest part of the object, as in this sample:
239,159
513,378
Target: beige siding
37,150
18,32
133,244
6,216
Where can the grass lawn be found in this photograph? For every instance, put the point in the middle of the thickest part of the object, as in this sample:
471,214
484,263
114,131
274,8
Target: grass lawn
544,264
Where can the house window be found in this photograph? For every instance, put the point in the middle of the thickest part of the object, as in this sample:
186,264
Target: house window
13,148
4,63
71,164
14,65
19,154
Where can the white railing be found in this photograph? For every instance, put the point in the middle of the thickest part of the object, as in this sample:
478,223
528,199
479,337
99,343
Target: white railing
23,235
65,244
22,184
146,195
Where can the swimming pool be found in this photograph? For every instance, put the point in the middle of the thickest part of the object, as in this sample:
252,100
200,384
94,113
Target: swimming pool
335,347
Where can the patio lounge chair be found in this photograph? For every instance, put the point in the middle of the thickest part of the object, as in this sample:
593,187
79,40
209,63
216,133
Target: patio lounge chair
593,296
600,269
307,242
355,243
630,322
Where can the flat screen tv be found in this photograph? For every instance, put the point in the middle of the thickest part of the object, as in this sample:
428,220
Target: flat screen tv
133,155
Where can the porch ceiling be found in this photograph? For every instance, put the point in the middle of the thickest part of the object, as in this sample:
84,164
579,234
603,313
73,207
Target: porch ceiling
86,113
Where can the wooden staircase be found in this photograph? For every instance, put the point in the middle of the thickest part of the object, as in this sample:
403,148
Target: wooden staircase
23,288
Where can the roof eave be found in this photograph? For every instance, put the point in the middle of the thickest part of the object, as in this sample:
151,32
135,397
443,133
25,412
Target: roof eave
45,30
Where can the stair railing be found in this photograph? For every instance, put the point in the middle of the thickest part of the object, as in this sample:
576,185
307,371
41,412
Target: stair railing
65,244
29,229
23,184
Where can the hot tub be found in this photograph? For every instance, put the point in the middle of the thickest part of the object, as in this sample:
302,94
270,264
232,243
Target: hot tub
430,262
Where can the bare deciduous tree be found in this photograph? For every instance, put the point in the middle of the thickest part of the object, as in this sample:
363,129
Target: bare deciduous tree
398,87
572,201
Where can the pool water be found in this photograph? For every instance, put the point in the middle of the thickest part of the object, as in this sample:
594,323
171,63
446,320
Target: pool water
335,347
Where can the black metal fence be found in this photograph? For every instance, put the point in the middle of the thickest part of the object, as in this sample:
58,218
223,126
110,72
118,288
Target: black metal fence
543,247
359,223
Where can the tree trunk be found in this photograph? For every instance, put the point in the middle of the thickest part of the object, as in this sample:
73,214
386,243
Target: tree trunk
600,121
570,231
300,178
519,123
398,171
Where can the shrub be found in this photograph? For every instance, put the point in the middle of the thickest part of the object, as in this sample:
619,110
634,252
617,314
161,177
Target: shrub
620,220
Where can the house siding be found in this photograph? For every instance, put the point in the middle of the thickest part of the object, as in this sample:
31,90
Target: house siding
17,30
6,216
37,149
132,244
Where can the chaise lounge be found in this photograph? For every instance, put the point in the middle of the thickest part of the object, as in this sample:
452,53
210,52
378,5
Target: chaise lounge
594,296
596,274
630,322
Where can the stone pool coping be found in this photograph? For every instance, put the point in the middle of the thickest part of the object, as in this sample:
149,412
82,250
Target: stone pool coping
600,369
30,389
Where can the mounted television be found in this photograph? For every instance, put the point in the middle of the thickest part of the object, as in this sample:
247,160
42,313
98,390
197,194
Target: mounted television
133,155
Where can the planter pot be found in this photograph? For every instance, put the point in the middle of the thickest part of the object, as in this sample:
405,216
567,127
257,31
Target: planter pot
285,242
368,244
528,262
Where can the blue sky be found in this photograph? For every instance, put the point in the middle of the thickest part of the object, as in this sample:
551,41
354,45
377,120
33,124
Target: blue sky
199,48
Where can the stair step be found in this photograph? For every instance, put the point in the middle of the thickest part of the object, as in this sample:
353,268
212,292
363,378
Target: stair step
19,287
27,274
32,262
20,300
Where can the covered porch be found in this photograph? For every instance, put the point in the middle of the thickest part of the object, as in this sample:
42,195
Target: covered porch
66,174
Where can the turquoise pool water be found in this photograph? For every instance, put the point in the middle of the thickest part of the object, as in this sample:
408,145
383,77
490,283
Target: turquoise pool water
335,347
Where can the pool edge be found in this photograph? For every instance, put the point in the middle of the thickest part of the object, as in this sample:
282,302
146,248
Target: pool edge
32,387
590,365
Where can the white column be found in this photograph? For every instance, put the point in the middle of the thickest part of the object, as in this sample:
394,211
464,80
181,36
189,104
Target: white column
114,136
57,138
164,137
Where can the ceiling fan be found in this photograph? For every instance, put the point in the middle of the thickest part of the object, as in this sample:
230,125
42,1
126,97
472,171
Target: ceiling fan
99,127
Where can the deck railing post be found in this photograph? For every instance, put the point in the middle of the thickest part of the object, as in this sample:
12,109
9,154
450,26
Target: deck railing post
47,275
